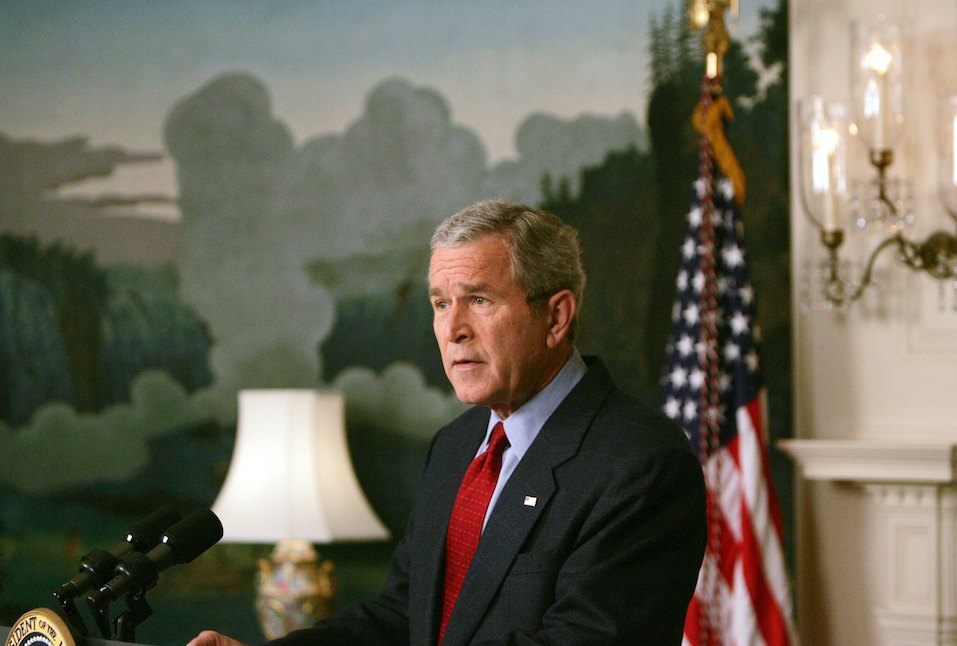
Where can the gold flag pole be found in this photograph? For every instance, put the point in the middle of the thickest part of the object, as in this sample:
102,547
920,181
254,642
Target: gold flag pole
709,15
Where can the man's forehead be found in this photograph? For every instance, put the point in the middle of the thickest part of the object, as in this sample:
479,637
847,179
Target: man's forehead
484,255
480,266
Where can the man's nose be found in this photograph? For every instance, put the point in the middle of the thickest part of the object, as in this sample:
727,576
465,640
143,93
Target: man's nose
457,326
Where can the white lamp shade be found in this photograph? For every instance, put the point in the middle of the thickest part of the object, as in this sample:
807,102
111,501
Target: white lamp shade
290,475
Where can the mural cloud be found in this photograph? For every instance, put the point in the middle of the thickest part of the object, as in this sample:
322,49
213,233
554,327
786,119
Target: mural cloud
257,210
111,445
240,266
561,148
402,163
397,399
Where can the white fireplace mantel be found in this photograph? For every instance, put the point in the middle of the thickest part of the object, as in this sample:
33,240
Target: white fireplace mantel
912,534
874,461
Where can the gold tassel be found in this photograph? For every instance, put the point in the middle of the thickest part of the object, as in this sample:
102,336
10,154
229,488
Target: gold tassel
711,125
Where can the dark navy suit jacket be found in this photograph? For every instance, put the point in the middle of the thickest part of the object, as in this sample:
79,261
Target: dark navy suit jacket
608,553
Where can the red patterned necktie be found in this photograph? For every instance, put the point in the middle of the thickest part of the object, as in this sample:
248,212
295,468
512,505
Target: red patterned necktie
468,515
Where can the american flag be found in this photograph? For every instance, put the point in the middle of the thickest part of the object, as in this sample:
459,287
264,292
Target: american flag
713,390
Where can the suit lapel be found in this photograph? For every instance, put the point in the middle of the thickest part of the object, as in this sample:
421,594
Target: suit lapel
466,434
511,519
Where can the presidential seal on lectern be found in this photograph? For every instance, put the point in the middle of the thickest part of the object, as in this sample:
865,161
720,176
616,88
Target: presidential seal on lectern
40,627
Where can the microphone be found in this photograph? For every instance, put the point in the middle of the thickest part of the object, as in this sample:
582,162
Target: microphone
181,543
97,566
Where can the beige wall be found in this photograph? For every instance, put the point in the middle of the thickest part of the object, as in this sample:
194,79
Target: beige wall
889,374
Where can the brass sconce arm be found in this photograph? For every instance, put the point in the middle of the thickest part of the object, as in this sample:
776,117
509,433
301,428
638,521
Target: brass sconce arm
835,290
937,256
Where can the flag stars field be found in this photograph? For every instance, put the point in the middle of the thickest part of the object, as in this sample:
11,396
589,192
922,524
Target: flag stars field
732,255
688,249
694,217
672,407
679,377
732,351
685,345
739,323
690,409
691,314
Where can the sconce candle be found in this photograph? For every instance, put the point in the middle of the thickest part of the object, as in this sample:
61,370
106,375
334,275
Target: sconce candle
825,148
877,59
877,83
824,183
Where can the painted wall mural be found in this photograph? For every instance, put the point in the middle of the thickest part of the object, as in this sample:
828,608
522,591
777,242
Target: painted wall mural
202,197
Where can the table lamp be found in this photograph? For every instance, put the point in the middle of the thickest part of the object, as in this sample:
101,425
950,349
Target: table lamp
291,482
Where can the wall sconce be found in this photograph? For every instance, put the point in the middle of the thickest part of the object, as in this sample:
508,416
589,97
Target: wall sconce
883,202
291,481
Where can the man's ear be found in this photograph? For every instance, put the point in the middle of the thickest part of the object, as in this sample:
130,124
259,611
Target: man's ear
561,311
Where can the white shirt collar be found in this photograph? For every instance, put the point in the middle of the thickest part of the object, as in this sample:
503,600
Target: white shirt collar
523,425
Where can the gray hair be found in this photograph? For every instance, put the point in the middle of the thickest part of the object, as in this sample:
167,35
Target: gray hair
544,251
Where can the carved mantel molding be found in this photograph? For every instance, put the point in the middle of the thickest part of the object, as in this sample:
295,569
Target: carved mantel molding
912,488
874,461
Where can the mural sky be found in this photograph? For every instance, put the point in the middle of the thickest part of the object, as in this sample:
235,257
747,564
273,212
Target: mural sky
65,65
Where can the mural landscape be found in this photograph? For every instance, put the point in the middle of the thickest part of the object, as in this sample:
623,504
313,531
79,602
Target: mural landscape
146,278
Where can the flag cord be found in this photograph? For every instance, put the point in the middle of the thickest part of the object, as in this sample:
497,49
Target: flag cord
709,402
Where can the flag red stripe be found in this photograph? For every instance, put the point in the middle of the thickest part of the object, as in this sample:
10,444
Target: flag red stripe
693,621
770,618
729,548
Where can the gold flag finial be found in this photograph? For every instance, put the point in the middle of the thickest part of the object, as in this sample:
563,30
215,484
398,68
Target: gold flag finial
709,16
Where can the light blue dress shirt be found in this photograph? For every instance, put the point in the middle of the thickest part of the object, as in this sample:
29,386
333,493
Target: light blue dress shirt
523,425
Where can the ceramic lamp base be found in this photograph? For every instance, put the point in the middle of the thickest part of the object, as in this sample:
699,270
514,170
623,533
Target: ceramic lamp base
293,589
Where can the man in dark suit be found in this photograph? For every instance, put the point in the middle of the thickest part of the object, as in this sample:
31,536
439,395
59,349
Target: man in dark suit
558,510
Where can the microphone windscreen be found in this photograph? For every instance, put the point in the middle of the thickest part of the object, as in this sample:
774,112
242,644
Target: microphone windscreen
193,535
146,534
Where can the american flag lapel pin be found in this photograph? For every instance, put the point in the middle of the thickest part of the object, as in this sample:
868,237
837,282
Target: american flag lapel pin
530,501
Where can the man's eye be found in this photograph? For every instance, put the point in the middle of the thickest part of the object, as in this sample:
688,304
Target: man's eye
479,300
439,305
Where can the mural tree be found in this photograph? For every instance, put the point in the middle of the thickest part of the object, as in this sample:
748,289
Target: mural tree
77,333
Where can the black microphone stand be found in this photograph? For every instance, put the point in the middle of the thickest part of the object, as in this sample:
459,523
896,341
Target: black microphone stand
72,614
124,626
101,615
